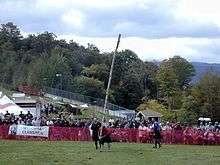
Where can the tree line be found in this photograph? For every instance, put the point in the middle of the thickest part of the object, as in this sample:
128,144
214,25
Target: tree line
42,60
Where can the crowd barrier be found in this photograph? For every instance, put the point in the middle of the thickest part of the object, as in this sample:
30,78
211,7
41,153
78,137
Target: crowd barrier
187,136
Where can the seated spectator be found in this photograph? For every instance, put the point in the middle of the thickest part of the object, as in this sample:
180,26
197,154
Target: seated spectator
43,121
36,122
202,127
178,126
209,127
20,121
167,127
29,122
216,127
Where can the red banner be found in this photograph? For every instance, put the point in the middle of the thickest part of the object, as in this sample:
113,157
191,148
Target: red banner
68,133
187,136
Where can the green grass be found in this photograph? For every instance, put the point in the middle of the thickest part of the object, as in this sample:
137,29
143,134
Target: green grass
83,153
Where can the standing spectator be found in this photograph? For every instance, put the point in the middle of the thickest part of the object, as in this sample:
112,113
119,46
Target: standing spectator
7,115
29,115
46,110
21,115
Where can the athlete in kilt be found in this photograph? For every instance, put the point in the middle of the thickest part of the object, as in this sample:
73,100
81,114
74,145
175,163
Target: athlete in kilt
157,135
95,132
105,137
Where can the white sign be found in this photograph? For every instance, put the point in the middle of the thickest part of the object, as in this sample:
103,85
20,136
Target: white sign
17,95
29,130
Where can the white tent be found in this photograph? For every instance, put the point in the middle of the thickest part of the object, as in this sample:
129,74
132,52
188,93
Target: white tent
84,106
8,105
204,119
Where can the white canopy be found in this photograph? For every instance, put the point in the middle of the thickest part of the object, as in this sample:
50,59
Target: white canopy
8,105
84,106
204,119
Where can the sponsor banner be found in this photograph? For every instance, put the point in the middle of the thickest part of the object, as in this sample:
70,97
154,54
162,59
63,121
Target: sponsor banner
23,130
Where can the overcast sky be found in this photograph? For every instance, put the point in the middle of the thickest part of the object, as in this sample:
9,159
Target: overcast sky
154,29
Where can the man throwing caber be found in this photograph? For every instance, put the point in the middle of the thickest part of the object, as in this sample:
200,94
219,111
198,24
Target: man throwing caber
105,137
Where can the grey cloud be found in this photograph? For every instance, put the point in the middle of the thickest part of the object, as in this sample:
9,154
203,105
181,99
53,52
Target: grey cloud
157,21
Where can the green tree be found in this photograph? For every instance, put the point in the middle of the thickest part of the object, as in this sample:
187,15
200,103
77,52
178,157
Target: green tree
10,33
207,95
168,84
150,81
88,86
183,69
44,71
174,78
130,90
189,110
7,62
97,71
122,62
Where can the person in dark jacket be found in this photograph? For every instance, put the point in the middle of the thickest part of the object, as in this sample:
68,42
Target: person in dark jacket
157,135
95,132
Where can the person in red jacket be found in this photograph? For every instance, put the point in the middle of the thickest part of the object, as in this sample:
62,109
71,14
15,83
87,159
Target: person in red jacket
105,137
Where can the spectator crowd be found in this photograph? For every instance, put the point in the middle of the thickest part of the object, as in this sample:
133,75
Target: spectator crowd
50,117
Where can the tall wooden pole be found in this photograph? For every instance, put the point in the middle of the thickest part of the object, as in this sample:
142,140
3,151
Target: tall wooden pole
110,75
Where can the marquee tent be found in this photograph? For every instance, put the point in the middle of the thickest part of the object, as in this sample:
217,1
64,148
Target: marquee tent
8,105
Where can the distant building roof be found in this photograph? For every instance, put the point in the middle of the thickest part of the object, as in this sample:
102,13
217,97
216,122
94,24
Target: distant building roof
25,101
150,113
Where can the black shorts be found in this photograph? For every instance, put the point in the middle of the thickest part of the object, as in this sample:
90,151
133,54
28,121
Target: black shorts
157,135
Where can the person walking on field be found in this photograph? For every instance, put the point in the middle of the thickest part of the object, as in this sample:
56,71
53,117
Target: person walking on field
95,127
105,137
157,135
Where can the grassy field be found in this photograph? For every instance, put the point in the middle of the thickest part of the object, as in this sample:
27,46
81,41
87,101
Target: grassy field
83,153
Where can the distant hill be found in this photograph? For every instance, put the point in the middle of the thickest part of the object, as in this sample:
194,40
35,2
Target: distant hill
202,68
